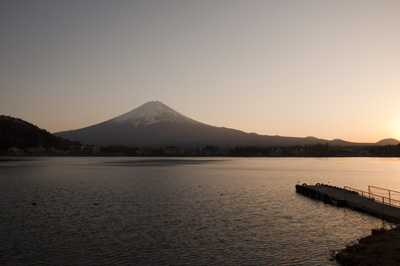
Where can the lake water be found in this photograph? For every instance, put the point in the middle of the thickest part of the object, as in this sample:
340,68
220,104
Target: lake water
180,211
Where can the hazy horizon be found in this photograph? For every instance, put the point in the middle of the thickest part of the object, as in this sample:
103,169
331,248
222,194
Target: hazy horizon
327,69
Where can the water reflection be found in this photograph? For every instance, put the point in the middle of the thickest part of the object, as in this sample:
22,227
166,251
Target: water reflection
96,211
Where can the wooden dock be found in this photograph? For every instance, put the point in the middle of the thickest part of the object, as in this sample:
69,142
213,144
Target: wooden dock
375,205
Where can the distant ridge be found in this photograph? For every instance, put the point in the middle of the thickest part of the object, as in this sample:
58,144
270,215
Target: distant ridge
155,124
388,142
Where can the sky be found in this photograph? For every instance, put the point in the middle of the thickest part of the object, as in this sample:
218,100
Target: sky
328,69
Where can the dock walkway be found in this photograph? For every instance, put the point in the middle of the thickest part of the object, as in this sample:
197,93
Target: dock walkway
355,199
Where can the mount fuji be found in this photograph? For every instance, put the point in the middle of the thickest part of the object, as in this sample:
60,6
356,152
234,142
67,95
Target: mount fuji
154,124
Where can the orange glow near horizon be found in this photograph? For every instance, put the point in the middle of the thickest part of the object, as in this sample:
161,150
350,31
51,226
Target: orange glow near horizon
394,127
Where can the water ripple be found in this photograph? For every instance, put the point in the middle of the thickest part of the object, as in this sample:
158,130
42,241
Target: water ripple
240,211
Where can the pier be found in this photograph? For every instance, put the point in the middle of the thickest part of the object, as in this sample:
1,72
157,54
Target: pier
379,202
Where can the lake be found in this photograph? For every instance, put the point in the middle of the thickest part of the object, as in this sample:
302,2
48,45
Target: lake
180,211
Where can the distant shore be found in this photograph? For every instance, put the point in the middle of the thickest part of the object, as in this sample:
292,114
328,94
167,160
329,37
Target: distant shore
382,247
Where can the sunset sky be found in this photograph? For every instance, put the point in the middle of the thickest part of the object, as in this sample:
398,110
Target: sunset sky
329,69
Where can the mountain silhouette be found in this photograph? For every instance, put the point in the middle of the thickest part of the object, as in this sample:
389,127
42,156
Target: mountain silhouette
15,132
154,124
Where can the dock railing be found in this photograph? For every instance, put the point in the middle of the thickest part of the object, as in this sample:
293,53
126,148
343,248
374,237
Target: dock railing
391,197
380,195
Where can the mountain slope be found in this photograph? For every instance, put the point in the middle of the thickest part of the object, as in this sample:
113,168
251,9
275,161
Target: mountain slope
154,124
15,132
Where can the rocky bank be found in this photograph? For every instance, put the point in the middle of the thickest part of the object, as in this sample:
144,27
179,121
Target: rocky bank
382,247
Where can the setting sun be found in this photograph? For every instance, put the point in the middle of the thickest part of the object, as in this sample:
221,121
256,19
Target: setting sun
394,127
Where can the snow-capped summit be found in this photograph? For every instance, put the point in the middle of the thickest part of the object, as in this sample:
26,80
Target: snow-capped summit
151,113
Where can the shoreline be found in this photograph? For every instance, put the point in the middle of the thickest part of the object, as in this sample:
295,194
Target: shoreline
382,247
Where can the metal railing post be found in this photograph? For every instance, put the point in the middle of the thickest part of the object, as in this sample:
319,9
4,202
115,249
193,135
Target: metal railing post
362,200
369,192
